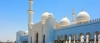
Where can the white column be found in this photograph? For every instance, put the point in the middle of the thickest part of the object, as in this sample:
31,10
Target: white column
69,39
87,38
74,39
82,39
94,38
99,38
66,42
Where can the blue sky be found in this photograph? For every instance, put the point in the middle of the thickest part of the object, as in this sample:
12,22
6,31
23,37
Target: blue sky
14,15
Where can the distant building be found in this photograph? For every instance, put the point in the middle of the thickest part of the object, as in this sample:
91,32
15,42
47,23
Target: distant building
0,41
80,29
22,36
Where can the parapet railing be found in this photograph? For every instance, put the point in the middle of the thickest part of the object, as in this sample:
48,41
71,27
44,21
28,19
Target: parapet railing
91,21
80,23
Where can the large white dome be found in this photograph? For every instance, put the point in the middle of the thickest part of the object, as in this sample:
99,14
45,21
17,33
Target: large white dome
82,17
45,15
64,22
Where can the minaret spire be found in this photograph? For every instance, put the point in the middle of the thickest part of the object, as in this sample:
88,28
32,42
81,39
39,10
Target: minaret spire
30,12
64,16
82,9
30,0
46,10
73,16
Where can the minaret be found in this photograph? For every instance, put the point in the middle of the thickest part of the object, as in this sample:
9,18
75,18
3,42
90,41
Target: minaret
73,16
30,22
30,12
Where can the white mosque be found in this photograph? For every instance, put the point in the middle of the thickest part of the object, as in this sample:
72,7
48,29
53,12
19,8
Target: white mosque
80,30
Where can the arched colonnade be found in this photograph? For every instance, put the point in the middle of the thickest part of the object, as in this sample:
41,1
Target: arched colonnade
79,38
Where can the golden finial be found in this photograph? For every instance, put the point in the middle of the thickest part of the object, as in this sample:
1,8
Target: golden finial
64,16
30,0
46,10
82,9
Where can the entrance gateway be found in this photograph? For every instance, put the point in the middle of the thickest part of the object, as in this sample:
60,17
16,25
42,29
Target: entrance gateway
37,37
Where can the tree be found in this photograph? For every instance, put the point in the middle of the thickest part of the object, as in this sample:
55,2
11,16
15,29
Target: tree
15,42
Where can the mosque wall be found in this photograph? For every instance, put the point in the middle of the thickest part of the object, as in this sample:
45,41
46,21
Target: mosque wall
29,35
50,23
25,38
19,36
37,28
78,29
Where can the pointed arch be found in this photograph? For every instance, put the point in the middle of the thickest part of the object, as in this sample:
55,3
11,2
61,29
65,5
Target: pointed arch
37,37
81,37
62,37
88,37
66,37
96,36
75,38
70,35
58,37
96,33
99,38
70,38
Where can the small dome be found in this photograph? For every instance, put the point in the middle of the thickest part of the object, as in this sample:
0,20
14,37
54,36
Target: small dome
64,22
45,15
26,31
50,15
82,16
